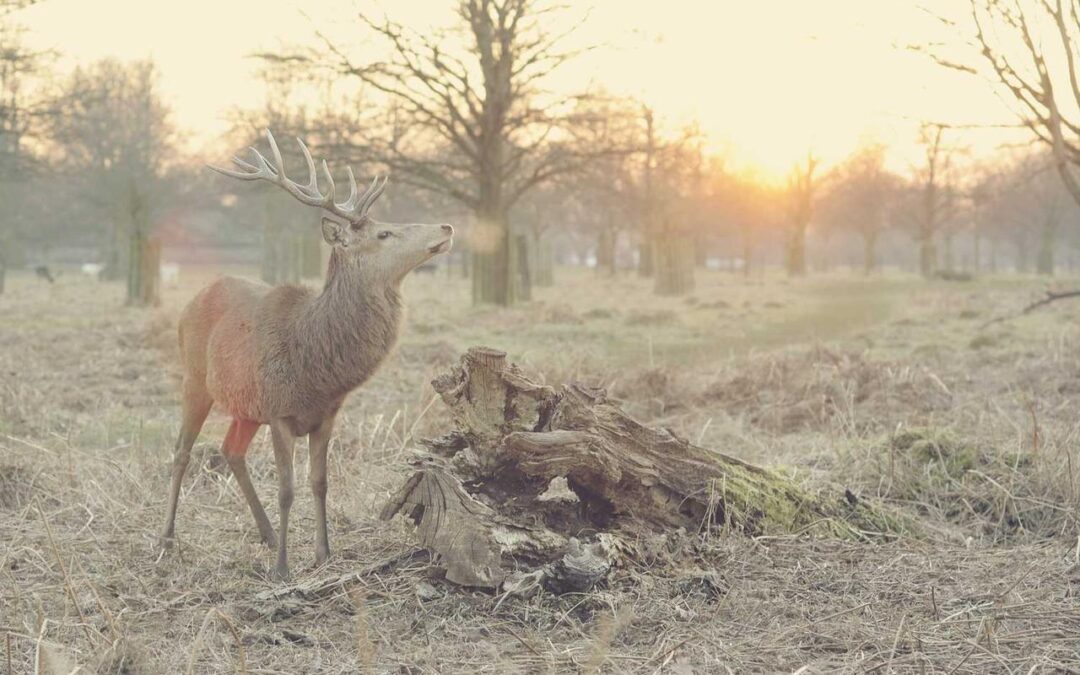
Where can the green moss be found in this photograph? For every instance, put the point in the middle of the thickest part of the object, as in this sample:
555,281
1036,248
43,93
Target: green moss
934,449
765,502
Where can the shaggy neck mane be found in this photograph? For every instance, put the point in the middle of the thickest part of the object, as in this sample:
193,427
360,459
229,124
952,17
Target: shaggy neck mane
351,326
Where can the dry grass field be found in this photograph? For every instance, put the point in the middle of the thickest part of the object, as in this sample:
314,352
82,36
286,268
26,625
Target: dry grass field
888,386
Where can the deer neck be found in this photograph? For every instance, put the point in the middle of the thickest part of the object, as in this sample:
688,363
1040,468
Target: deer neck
353,323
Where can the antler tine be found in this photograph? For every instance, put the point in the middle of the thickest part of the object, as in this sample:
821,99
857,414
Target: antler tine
266,168
313,181
354,208
279,163
242,175
378,184
350,203
243,164
330,182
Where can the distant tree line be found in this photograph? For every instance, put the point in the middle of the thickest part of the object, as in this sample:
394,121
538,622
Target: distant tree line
472,134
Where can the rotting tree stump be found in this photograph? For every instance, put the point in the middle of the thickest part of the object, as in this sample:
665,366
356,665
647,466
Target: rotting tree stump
537,486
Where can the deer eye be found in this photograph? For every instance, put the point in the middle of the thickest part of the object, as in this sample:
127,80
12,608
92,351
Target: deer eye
384,234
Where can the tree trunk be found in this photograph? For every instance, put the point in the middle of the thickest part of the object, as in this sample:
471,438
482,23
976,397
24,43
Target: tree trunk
493,259
1044,262
869,252
541,260
605,251
976,243
117,248
701,252
144,270
748,251
795,263
948,262
529,469
523,254
674,265
927,256
1023,255
5,252
646,250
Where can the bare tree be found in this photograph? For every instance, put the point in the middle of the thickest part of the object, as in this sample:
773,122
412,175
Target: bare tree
933,193
677,203
859,195
1027,208
472,123
1030,50
115,141
606,197
983,196
23,109
801,189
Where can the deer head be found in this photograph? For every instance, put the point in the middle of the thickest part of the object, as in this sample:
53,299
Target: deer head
386,250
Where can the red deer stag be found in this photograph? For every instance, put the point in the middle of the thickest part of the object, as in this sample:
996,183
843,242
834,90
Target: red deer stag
287,356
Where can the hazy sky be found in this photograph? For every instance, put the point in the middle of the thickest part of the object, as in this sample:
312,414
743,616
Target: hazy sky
769,80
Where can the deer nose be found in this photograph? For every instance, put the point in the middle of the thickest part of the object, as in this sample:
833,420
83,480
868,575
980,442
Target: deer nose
449,229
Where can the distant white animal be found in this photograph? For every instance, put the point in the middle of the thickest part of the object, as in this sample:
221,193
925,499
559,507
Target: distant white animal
170,274
92,269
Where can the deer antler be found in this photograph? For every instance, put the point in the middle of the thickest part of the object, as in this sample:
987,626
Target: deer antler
353,209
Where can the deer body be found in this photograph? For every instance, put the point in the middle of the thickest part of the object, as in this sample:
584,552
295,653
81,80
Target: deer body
286,353
286,356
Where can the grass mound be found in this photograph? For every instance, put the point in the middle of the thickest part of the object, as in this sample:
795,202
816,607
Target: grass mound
987,492
822,389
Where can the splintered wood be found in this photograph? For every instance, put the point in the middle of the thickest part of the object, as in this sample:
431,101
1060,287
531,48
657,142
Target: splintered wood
483,508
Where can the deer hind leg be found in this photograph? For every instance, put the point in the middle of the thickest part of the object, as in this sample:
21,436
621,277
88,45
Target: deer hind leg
283,456
237,440
196,406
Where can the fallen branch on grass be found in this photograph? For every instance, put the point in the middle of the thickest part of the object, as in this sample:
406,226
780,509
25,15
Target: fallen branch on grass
551,487
317,588
1051,296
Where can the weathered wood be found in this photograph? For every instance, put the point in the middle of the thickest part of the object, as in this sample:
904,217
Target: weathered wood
453,524
487,515
489,399
311,589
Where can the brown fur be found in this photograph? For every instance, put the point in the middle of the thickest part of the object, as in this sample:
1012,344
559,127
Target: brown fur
288,357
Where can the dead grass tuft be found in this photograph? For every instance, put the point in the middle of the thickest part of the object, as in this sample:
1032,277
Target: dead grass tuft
655,317
986,492
16,487
821,389
560,313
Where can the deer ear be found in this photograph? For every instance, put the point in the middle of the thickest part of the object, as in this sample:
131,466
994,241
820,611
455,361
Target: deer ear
333,232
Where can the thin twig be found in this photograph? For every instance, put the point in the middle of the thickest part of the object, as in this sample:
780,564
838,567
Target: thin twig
1050,297
63,570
